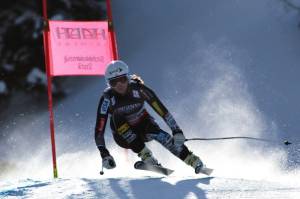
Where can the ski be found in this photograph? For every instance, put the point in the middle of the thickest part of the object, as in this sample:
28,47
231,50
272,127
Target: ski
140,165
204,170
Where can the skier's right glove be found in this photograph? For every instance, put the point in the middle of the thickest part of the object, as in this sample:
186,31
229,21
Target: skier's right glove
108,162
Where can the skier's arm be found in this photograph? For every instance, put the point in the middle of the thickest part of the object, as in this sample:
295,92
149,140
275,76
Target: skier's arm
102,115
159,108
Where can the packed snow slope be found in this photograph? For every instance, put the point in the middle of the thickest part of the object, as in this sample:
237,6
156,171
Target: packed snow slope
223,68
148,188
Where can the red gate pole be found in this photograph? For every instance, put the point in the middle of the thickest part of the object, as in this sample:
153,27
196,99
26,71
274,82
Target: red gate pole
49,82
111,30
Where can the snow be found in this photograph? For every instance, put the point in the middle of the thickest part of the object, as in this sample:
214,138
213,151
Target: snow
29,15
3,88
149,188
36,76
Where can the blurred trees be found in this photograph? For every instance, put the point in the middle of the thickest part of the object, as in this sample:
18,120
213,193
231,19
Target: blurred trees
21,42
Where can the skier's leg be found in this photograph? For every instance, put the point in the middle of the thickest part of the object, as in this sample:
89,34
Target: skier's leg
165,139
181,152
127,138
153,131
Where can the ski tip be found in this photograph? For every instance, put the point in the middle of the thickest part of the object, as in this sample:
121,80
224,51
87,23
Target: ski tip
169,172
205,170
140,165
208,171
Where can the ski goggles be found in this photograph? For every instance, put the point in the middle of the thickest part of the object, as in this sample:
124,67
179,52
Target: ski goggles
122,79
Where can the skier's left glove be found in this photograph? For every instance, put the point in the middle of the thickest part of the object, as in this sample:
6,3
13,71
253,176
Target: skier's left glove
178,137
108,162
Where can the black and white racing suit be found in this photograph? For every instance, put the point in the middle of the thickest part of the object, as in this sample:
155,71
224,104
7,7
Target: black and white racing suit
130,122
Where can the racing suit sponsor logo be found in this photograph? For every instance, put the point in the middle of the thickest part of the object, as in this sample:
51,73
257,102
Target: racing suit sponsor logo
157,108
135,118
104,106
171,121
136,94
130,108
123,128
129,136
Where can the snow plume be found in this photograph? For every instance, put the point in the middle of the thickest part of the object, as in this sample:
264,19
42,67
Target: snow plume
217,102
25,147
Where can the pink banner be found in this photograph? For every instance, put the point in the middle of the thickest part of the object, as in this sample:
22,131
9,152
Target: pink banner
79,48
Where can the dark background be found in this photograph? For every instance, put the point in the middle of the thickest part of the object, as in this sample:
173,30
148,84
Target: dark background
21,41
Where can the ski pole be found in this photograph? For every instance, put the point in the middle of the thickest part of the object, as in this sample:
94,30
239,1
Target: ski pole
102,172
286,142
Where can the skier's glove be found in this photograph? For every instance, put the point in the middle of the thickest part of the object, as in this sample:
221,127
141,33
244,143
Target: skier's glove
178,137
108,162
137,79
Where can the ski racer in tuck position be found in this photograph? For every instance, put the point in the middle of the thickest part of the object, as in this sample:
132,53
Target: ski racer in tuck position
131,124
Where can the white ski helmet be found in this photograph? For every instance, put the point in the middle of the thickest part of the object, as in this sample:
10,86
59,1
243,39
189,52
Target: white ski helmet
116,68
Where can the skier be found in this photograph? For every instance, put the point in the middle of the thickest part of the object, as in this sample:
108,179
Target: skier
130,122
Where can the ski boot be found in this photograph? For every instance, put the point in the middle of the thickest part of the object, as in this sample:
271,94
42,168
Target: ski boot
149,163
194,161
197,164
146,155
